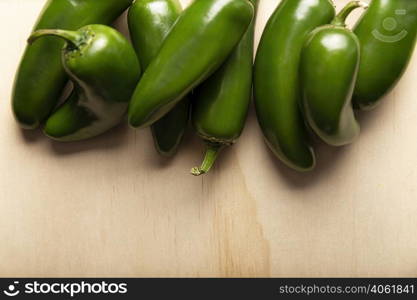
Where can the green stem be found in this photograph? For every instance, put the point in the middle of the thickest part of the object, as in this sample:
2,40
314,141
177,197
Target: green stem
340,19
212,152
71,37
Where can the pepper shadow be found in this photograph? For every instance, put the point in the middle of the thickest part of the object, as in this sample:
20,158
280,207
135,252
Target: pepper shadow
114,138
369,118
30,136
328,159
121,24
186,151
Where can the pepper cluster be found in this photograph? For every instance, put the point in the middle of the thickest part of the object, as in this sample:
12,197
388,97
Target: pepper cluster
311,71
310,74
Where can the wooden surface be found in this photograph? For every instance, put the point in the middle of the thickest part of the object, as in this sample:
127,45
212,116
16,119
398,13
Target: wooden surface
112,207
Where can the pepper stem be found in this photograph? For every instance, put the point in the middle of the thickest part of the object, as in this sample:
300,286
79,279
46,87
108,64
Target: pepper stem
340,19
212,151
71,37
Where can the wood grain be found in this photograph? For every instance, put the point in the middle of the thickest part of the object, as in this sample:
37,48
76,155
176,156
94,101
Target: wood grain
112,207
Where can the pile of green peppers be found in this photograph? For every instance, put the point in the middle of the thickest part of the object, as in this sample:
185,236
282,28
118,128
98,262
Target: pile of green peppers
196,65
311,71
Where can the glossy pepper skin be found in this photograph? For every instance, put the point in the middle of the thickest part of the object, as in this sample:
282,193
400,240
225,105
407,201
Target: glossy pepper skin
104,69
277,88
149,23
199,42
221,103
328,71
41,78
387,34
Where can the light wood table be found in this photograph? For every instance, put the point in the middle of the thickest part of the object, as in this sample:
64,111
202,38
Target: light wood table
112,207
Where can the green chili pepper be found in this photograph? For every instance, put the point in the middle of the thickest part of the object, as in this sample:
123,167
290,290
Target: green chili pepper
221,103
387,34
41,78
328,70
199,42
104,69
149,23
276,80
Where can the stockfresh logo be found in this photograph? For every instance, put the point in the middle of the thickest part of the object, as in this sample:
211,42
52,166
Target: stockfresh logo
12,290
71,289
391,27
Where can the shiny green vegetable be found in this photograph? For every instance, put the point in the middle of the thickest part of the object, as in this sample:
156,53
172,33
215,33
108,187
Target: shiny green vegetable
221,103
149,23
41,78
277,88
387,34
199,42
328,71
104,69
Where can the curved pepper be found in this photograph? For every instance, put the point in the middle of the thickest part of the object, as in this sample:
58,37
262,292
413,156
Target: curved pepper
221,103
149,23
41,78
328,71
199,42
104,69
276,80
387,34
